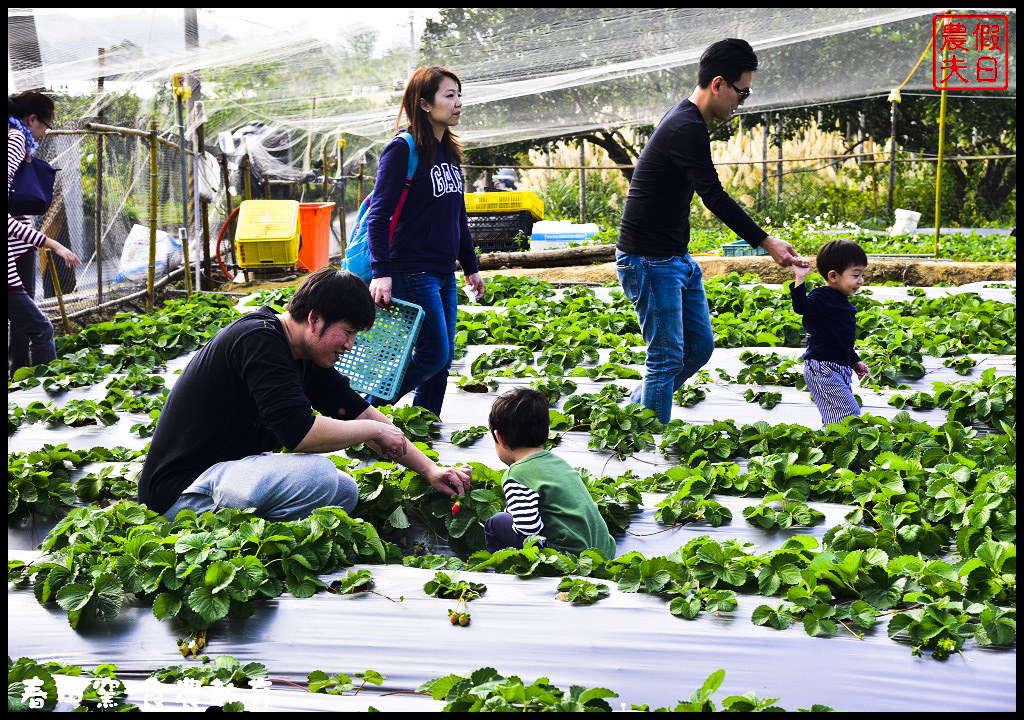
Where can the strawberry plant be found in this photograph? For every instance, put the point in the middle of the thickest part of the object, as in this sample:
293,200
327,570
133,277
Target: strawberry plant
476,384
553,388
447,585
693,443
764,398
462,438
690,503
224,670
580,591
700,700
356,581
690,604
197,569
961,365
342,684
769,369
624,431
416,423
484,690
788,513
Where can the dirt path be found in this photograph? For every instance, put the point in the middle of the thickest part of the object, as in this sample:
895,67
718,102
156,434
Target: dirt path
918,273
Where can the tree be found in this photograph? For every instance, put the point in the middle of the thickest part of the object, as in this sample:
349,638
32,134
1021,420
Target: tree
479,42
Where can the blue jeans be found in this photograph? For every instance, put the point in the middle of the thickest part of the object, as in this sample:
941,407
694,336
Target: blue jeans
668,294
500,533
432,357
31,333
280,486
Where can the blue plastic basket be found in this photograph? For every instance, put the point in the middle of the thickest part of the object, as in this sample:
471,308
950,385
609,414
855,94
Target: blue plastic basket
740,247
376,364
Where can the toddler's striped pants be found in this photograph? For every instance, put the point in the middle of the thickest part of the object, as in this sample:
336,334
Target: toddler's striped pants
829,384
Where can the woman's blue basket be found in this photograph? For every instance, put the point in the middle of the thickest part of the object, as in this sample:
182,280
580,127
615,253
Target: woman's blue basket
376,364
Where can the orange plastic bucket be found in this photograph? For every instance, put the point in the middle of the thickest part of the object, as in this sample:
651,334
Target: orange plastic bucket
315,228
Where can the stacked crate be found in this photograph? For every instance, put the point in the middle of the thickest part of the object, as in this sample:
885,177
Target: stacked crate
503,221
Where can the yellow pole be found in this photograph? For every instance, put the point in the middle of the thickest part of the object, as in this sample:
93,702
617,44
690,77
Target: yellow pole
938,164
938,167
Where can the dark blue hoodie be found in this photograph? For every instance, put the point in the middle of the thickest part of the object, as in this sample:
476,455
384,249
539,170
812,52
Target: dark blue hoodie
432,230
830,320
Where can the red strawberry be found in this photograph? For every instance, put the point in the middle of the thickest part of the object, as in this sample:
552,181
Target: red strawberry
456,507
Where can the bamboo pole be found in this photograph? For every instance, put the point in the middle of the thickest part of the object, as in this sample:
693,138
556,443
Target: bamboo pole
48,259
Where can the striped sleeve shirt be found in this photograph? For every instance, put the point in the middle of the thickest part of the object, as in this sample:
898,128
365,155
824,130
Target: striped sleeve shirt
523,504
20,237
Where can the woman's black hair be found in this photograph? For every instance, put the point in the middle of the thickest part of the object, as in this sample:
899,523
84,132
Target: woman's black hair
30,102
334,295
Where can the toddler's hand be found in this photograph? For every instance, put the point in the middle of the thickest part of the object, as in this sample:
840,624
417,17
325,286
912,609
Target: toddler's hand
801,271
862,370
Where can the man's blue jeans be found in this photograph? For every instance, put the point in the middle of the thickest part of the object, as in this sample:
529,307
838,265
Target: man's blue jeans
279,486
432,357
668,294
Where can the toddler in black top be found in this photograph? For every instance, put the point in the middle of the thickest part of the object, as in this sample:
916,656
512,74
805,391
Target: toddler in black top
830,320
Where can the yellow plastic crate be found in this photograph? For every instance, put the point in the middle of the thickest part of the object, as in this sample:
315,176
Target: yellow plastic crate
504,202
267,233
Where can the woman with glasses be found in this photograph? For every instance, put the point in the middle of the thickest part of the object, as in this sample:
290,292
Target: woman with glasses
30,340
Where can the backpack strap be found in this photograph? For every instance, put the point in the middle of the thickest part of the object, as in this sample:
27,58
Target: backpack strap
413,155
413,162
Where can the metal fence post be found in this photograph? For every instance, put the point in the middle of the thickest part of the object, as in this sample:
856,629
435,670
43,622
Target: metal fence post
98,215
583,186
153,211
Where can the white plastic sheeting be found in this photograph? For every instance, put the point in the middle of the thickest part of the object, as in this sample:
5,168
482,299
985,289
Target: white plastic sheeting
627,642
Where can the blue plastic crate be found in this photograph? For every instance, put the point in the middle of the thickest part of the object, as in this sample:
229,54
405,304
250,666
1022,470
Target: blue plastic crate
740,247
376,364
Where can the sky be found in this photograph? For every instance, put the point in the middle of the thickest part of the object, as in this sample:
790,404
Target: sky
391,24
70,36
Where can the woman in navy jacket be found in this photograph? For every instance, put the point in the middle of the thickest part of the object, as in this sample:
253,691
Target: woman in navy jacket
414,258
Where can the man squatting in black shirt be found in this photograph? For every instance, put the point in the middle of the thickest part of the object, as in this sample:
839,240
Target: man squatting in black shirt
252,389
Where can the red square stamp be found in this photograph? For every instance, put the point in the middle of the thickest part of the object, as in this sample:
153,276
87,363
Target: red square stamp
970,52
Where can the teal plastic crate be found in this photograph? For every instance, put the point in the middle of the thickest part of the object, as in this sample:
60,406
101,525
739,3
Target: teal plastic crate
376,364
740,247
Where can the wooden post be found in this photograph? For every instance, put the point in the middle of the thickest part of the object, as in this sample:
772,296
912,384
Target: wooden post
778,166
98,215
323,159
48,260
153,205
244,167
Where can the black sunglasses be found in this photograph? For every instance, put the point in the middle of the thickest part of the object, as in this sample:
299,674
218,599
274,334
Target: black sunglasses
744,94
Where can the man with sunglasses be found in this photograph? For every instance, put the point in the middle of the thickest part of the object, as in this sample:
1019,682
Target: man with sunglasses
652,259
